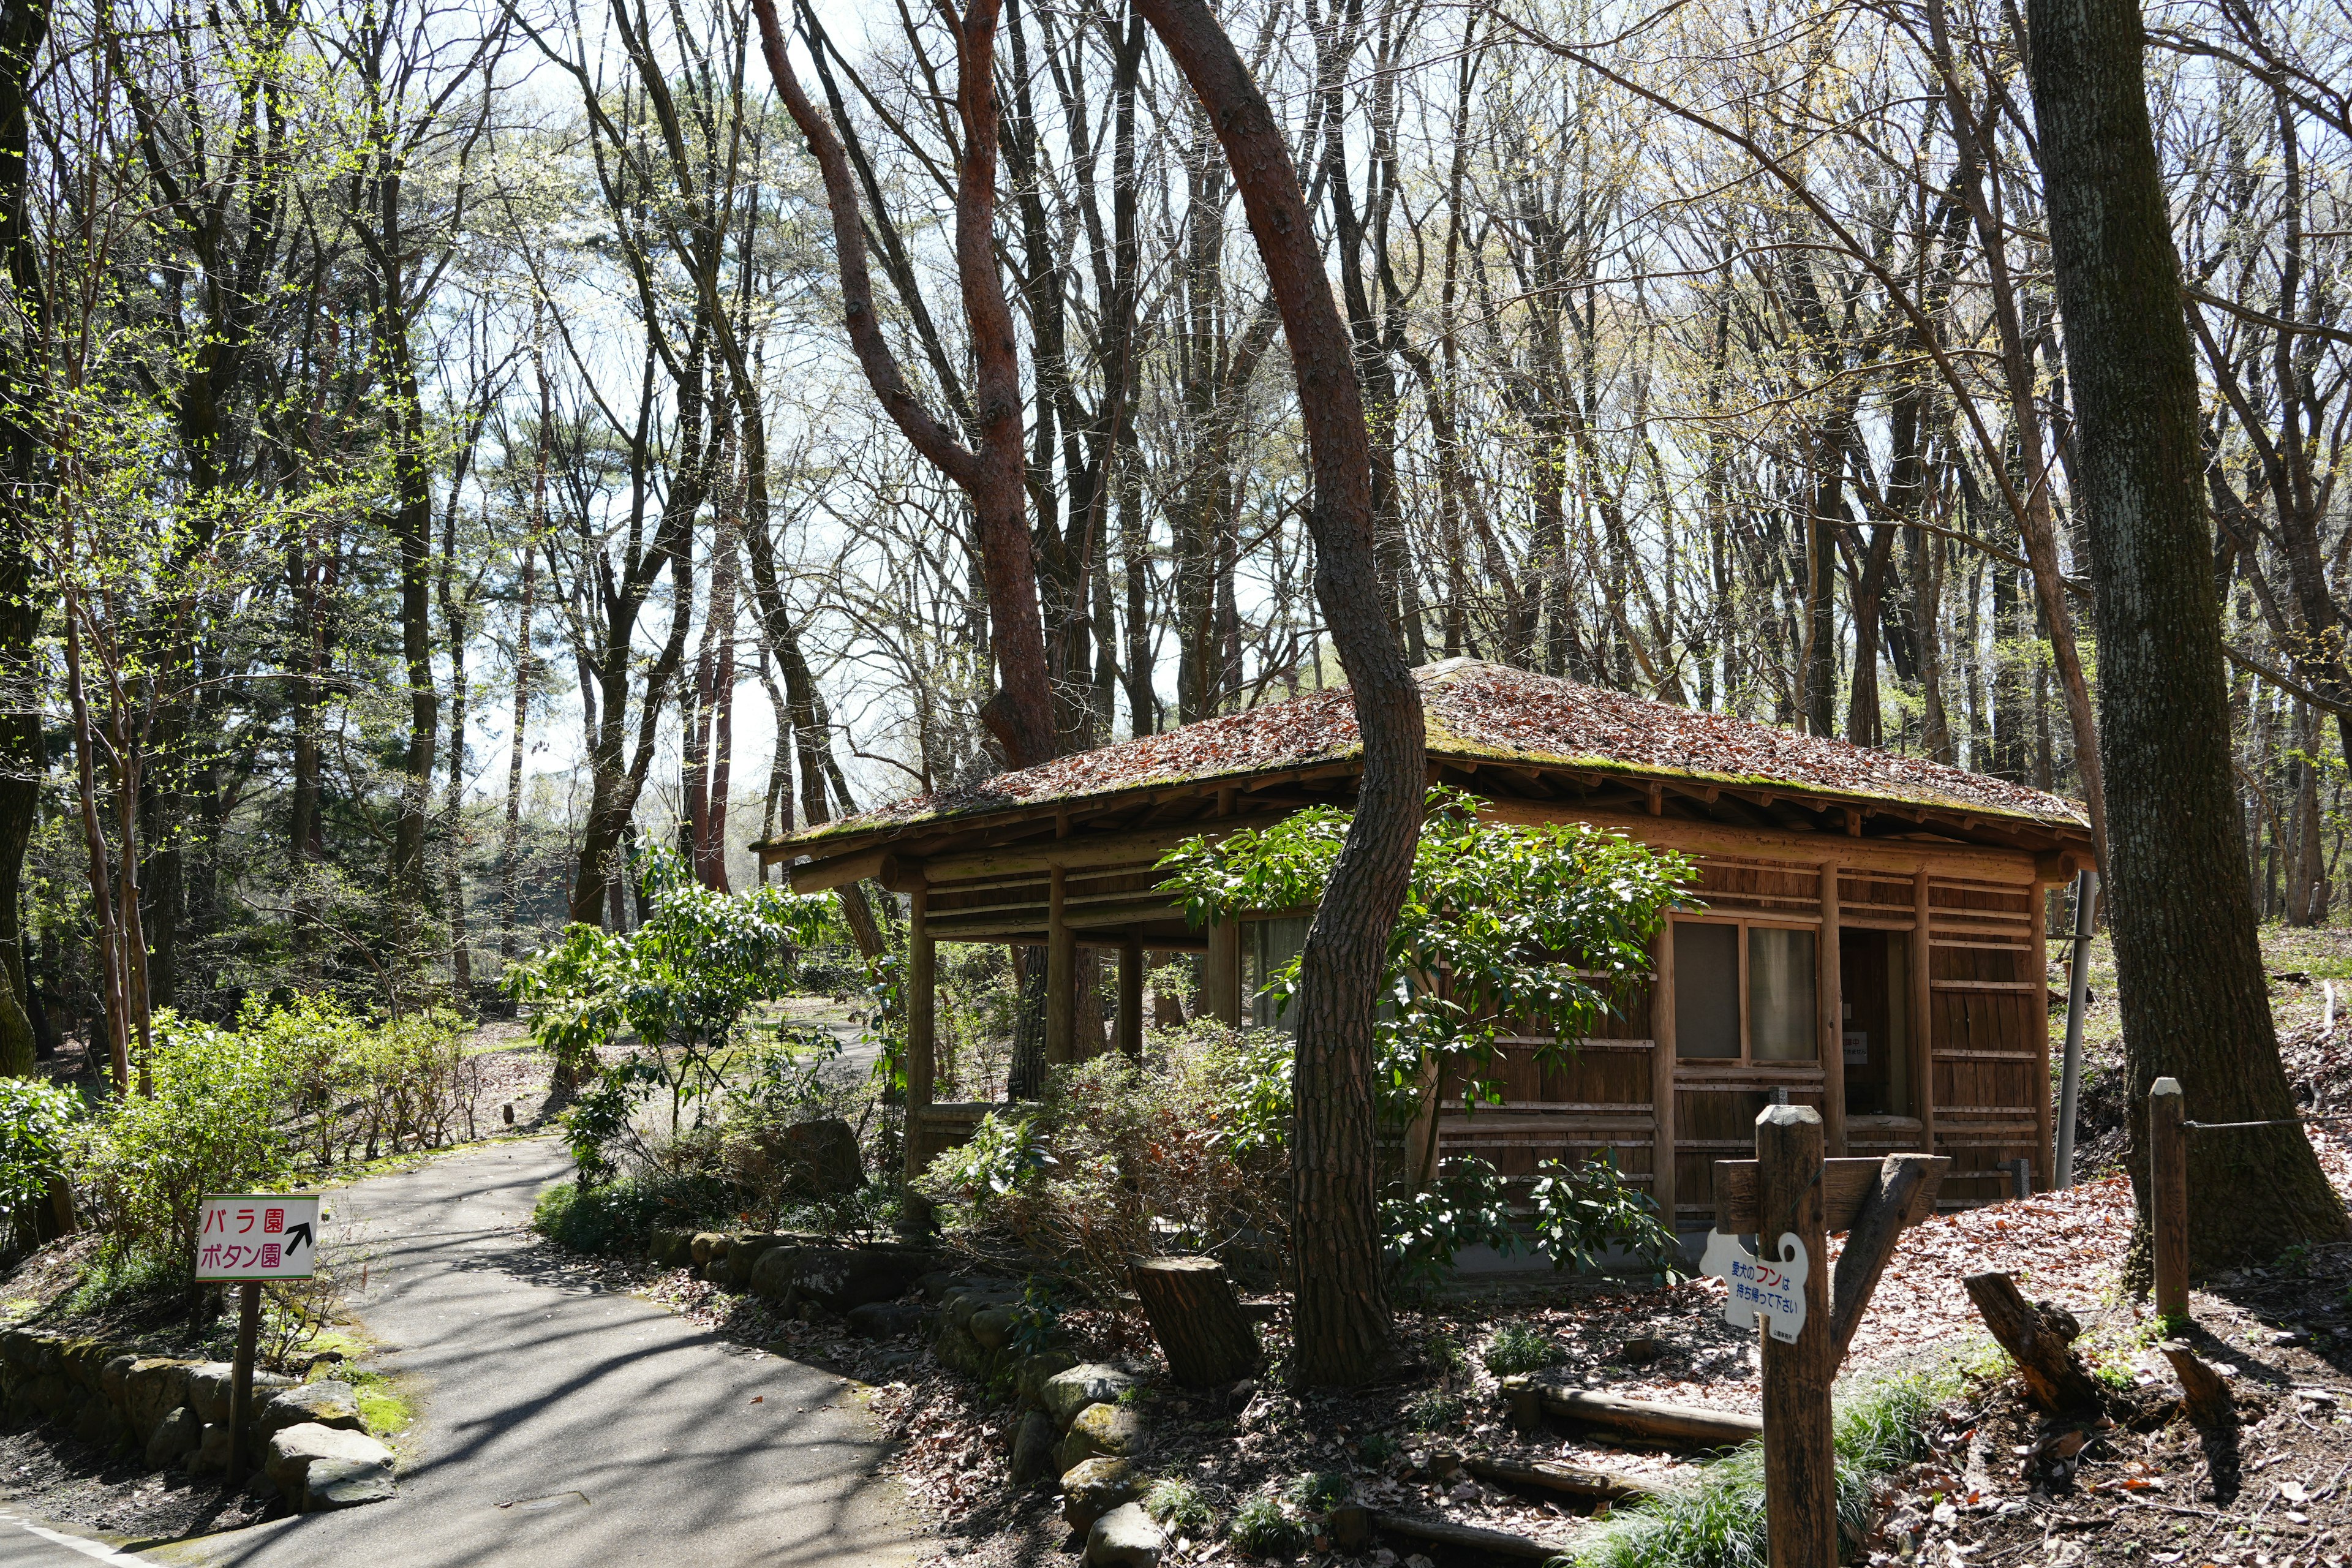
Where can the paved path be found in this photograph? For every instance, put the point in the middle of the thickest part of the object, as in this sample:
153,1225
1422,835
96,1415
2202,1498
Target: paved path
563,1426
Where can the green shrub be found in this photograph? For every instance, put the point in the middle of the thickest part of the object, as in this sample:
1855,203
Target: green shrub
677,991
1176,1502
615,1217
1517,1348
1377,1449
1261,1529
37,1120
1121,1160
211,1125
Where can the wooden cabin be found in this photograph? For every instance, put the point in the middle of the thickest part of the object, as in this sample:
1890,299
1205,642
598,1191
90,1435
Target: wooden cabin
1867,935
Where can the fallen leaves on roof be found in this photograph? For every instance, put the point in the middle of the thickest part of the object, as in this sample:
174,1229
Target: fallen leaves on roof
1487,713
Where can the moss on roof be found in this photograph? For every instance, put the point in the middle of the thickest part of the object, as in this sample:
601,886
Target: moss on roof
1486,713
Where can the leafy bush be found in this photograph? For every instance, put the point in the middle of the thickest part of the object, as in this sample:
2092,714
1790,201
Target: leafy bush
1377,1449
1261,1529
368,1088
1578,1216
211,1125
679,987
1178,1155
1176,1502
616,1216
1517,1348
1545,931
1546,928
37,1119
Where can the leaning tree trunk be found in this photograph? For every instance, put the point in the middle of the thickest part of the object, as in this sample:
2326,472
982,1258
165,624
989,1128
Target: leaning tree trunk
1344,1333
2188,967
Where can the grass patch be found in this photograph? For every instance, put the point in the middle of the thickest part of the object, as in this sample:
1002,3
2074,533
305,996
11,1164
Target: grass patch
1718,1522
1432,1411
1517,1348
1177,1503
1261,1529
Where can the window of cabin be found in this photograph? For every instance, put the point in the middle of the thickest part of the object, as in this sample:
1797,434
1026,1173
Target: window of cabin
1746,992
1266,946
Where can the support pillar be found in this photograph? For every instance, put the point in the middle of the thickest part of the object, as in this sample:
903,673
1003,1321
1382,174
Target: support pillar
1663,1183
1220,974
1061,976
1923,1017
923,996
1832,1015
1130,999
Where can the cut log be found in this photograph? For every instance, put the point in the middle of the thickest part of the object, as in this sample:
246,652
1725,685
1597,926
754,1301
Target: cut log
1904,1182
2056,1378
1687,1425
1467,1537
2209,1404
1197,1318
1563,1481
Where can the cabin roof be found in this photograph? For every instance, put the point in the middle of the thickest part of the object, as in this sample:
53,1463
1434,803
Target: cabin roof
1478,715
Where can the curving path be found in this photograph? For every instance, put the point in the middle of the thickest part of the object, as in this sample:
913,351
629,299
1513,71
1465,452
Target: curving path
563,1425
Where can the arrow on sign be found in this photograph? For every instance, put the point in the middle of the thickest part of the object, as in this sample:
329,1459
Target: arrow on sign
298,1235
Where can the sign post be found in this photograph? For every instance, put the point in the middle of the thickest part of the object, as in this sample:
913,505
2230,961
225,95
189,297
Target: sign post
1790,1198
244,1238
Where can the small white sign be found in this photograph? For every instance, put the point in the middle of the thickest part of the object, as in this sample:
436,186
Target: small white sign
1773,1289
1857,1048
257,1236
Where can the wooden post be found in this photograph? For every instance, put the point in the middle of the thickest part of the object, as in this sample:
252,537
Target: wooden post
2045,1164
922,1029
2167,1146
1061,975
1663,1177
241,1396
1831,996
922,1000
1923,1014
1221,974
1800,1458
1130,999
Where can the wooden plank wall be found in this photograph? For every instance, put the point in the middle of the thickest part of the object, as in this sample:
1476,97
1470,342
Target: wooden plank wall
1568,1109
1986,1054
1990,1031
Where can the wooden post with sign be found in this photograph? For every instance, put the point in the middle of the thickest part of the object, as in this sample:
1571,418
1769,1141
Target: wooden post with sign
1789,1194
1799,1461
244,1238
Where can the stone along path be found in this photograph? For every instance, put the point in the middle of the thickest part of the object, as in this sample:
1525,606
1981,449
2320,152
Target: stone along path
560,1426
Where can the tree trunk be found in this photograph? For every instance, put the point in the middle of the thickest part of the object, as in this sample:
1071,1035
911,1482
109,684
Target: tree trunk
2189,968
1344,1332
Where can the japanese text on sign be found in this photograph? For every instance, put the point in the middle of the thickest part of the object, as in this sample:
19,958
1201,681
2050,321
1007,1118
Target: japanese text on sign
257,1236
1769,1288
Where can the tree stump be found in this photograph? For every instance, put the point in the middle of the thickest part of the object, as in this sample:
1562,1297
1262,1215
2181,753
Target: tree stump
2056,1378
1197,1319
